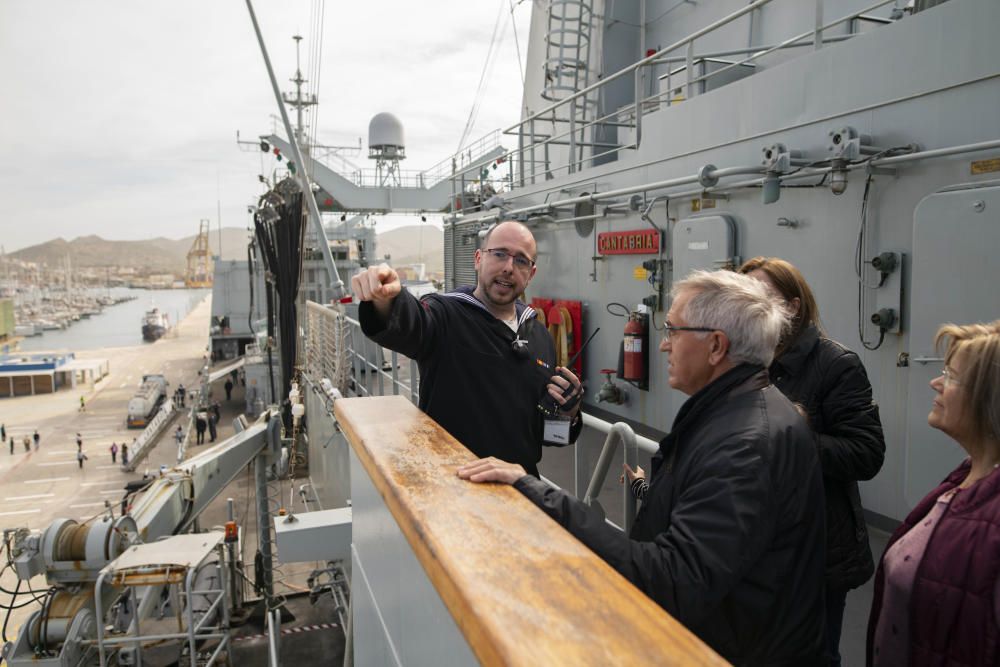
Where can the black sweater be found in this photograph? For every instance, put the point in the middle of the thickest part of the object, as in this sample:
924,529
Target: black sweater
472,382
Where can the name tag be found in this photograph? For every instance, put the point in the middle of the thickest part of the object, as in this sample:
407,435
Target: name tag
556,431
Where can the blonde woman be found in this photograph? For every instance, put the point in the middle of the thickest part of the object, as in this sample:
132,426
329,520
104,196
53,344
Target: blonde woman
936,596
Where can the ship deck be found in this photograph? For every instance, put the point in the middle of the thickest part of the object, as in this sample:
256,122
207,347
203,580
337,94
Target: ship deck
39,486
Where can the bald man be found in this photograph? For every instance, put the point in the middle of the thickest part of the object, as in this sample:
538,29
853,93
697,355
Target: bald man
485,361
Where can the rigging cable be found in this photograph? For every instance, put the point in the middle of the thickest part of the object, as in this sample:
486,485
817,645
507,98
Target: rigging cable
483,78
517,42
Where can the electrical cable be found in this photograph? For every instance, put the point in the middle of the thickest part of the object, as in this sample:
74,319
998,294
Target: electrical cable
625,310
6,617
861,246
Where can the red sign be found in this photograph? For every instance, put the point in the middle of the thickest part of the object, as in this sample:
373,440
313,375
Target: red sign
635,242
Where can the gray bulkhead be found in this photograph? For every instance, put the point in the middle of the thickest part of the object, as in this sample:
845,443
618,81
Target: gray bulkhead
929,79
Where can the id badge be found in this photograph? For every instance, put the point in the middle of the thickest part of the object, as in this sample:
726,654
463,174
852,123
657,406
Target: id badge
556,431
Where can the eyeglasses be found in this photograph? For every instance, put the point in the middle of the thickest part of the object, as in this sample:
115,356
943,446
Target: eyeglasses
949,377
672,331
501,255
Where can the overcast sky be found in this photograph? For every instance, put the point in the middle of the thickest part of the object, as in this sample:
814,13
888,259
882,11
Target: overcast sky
119,117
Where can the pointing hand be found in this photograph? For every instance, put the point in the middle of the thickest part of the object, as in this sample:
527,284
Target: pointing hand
378,284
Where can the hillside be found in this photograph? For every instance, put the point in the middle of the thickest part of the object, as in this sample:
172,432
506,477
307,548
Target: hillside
158,255
412,245
406,245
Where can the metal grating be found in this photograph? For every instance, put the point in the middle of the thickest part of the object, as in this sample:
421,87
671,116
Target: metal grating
460,242
325,345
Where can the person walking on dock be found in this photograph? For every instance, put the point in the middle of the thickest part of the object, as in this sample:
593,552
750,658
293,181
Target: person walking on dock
125,453
213,418
114,452
3,432
181,392
83,408
27,444
79,442
12,445
229,390
36,438
200,423
179,435
80,458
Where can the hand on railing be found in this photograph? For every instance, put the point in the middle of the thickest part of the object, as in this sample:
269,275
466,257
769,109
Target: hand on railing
632,475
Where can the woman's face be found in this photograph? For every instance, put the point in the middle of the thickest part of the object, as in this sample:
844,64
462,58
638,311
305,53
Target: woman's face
948,412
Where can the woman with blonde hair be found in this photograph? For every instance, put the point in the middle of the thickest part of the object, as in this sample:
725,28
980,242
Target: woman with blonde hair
937,591
829,382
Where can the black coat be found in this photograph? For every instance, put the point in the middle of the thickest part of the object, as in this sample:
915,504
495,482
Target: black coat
472,382
729,539
830,382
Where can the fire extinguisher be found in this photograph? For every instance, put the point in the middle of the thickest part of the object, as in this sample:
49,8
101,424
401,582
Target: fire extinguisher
634,349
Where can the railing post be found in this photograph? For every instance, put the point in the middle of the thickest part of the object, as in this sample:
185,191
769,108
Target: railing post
572,135
689,71
638,106
531,138
818,32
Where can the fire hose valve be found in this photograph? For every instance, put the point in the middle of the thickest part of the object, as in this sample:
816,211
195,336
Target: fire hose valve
610,392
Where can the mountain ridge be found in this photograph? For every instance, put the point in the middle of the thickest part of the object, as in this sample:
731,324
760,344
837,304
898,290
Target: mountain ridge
405,245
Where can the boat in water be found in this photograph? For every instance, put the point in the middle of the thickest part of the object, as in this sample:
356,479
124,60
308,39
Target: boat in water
154,324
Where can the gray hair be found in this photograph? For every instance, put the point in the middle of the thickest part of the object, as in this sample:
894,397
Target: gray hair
738,305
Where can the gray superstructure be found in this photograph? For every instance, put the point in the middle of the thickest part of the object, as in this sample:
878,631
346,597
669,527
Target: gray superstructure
916,91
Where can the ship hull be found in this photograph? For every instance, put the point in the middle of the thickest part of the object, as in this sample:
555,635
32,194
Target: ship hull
152,333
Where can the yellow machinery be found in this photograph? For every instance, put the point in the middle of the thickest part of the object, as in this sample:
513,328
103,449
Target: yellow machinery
199,260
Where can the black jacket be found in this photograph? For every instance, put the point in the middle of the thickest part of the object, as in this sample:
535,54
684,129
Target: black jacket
729,539
472,381
830,382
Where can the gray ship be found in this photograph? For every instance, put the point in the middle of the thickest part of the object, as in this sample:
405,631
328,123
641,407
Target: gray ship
858,140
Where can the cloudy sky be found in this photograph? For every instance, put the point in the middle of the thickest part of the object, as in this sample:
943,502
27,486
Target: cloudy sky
119,117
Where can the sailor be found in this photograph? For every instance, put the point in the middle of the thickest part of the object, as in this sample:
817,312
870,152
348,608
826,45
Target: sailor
485,361
730,537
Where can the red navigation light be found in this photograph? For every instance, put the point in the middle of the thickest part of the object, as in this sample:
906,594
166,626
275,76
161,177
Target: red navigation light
650,52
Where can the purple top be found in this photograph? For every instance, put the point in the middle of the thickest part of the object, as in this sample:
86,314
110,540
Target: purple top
892,633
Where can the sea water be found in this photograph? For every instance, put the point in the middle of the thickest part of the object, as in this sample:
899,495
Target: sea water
119,325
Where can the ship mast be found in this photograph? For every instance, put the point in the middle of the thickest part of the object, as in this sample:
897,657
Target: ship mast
299,101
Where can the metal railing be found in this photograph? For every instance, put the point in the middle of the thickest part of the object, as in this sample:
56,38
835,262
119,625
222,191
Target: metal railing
533,144
147,439
361,362
471,156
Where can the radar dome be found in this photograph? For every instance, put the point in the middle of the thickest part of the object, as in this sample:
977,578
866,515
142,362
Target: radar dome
385,131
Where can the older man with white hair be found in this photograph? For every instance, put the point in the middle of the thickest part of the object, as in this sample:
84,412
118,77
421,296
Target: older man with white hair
729,537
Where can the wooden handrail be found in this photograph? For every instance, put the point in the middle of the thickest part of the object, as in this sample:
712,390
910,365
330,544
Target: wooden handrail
522,590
